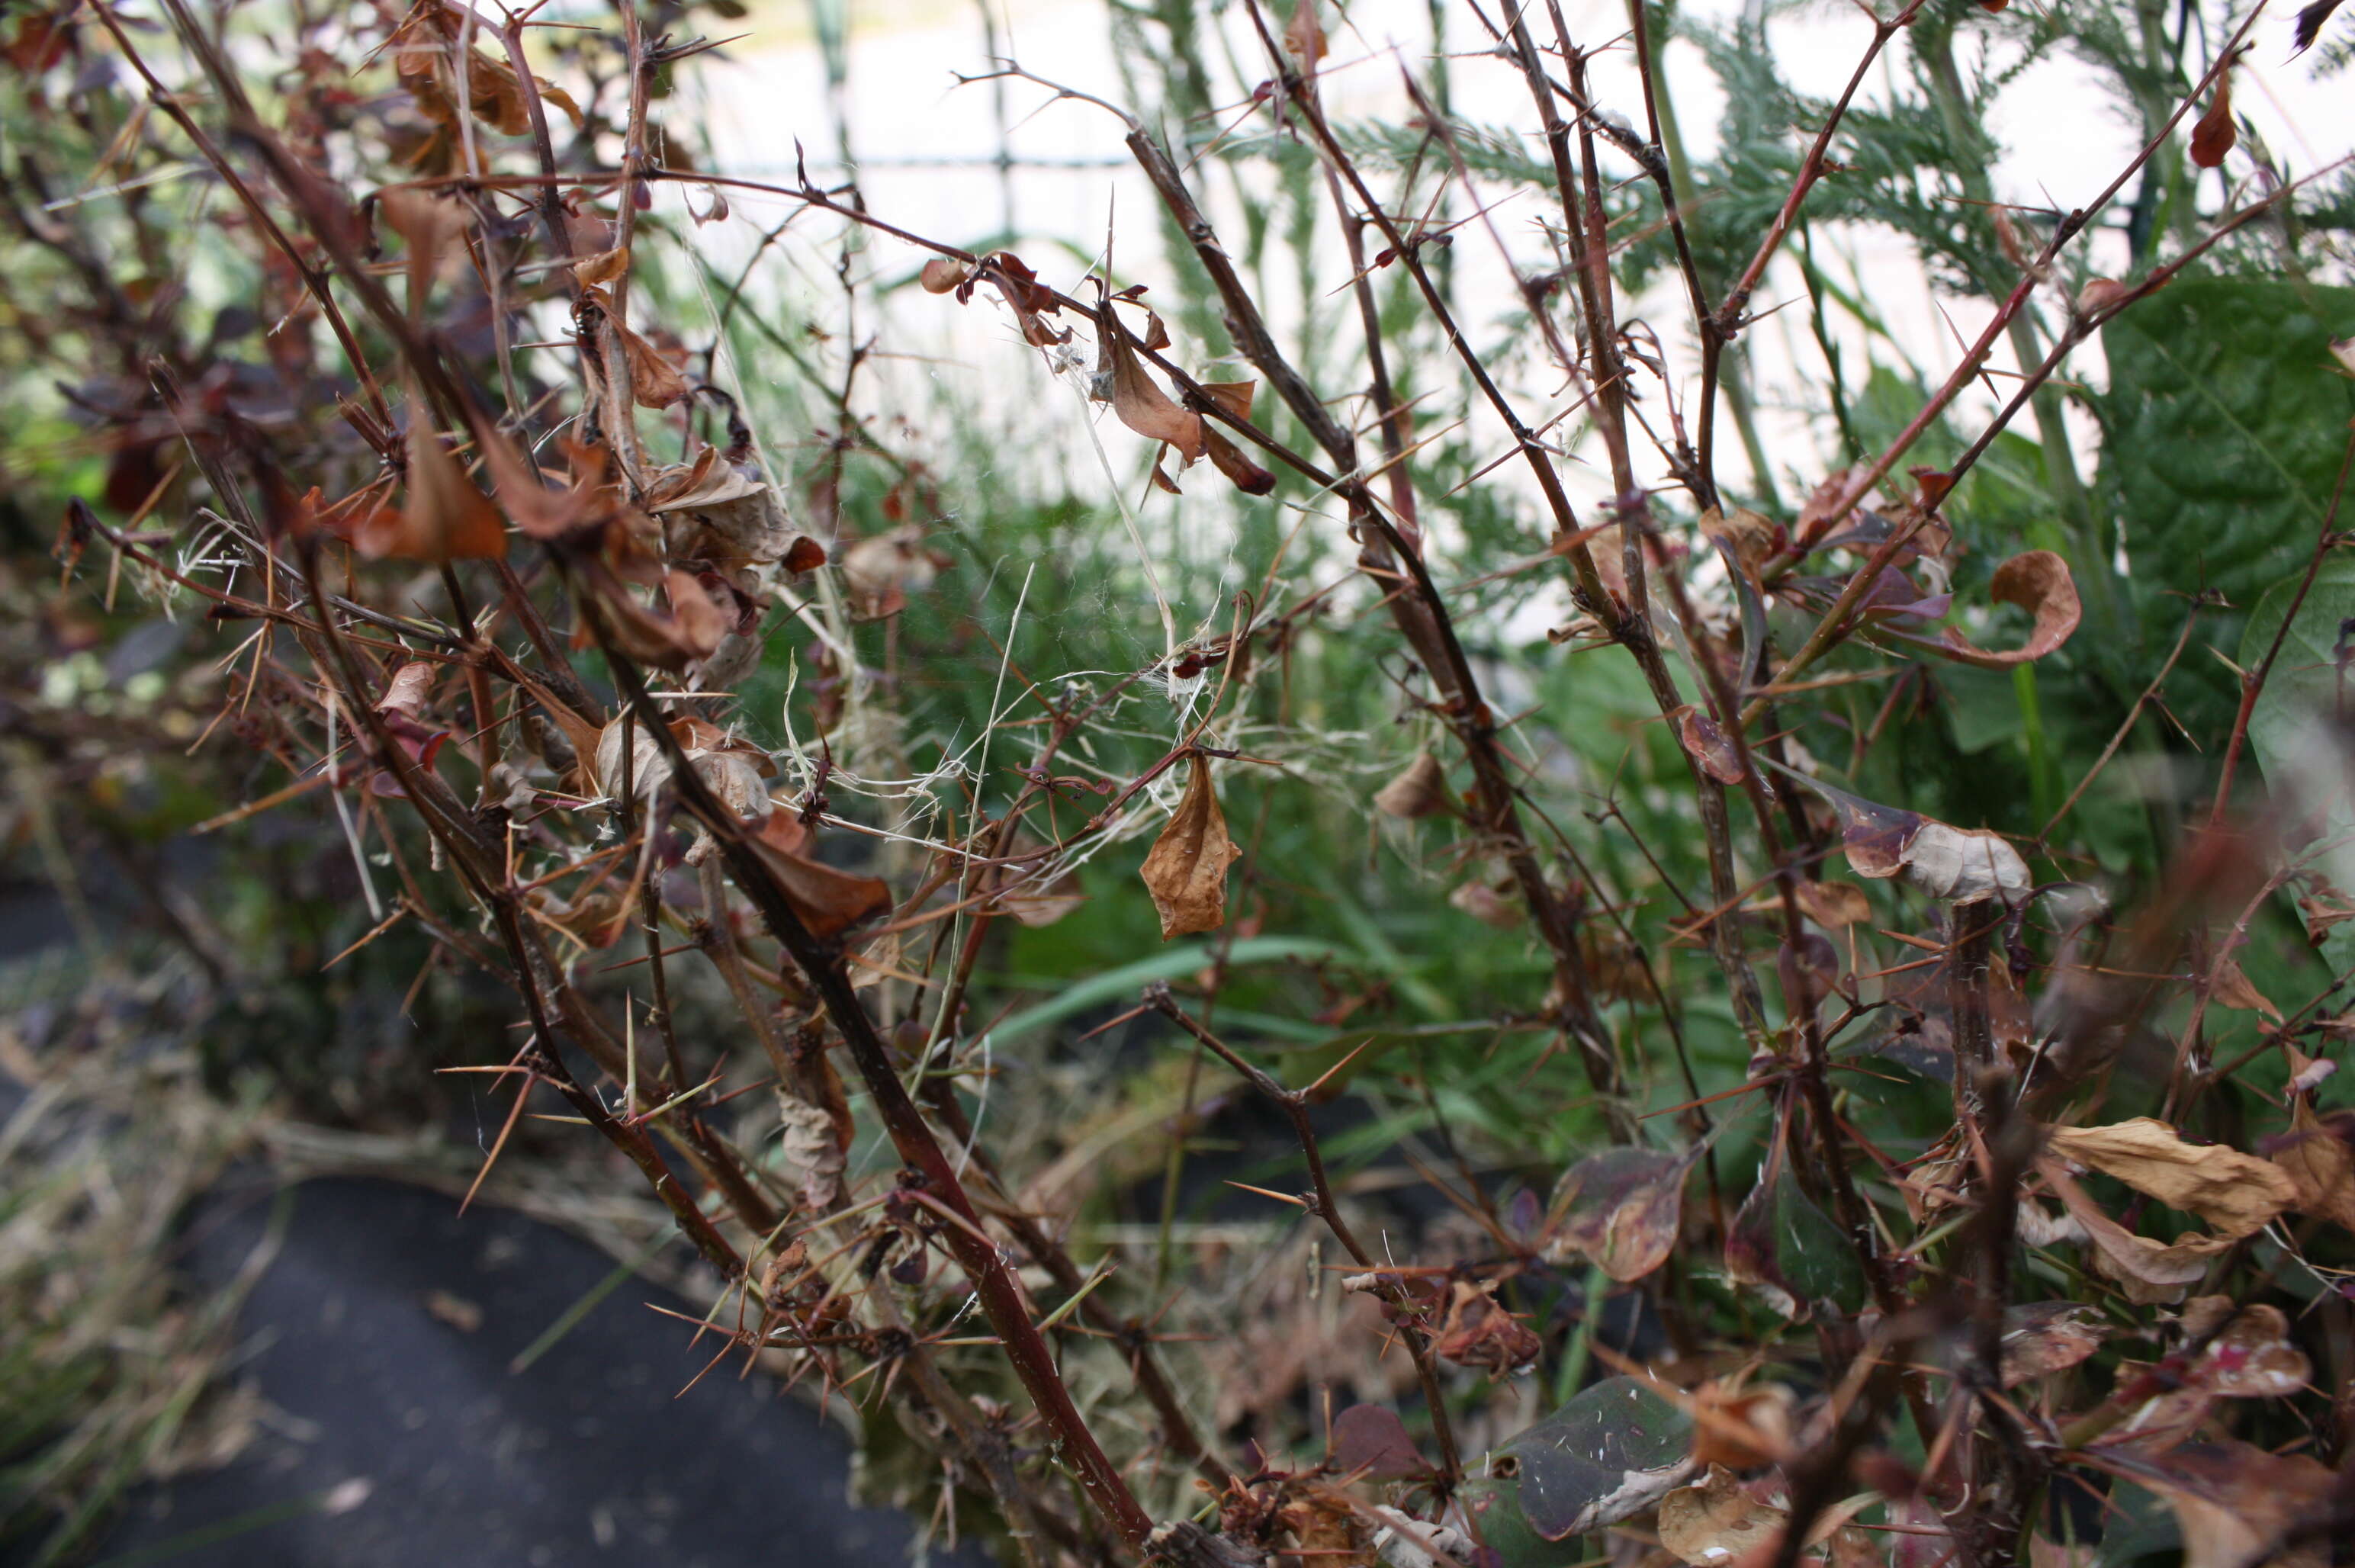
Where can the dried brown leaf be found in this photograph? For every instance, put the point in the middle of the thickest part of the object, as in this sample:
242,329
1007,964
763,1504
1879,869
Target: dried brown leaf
2320,1167
2148,1271
1834,905
1715,1522
1707,743
2235,1192
828,901
1228,459
1477,1332
1185,870
1420,791
2232,988
442,517
2213,136
1138,398
944,274
1753,537
2040,583
2045,1337
2234,1502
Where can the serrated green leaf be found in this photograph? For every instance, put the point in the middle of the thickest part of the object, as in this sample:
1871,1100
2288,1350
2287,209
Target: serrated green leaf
2224,420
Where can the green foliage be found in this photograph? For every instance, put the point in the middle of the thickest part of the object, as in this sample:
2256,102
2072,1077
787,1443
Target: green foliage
2222,428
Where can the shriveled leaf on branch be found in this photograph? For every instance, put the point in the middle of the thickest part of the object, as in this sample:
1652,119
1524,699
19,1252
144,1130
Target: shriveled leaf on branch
2232,1501
828,901
810,1149
2234,988
2316,1157
2045,1337
1185,870
1752,537
656,381
1420,791
2235,1192
2213,136
402,711
944,274
432,225
1479,1332
1716,1520
1956,865
1833,905
1235,399
882,570
1706,741
2040,583
2146,1270
1622,1208
1138,398
540,512
712,510
1037,901
443,517
1304,37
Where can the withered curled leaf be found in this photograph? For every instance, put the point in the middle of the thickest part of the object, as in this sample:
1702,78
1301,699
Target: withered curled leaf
1479,1332
2316,1158
2235,1192
2146,1270
1138,398
1623,1209
1420,791
1834,905
2040,583
1957,865
2232,1501
2043,1337
1715,1522
828,901
941,274
442,517
1704,741
2213,136
1185,870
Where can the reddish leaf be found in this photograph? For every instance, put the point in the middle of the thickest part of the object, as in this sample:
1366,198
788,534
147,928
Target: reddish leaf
2213,136
1623,1209
1707,743
1372,1441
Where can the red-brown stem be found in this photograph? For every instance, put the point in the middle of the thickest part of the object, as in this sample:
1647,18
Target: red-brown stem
1001,1297
1326,1207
